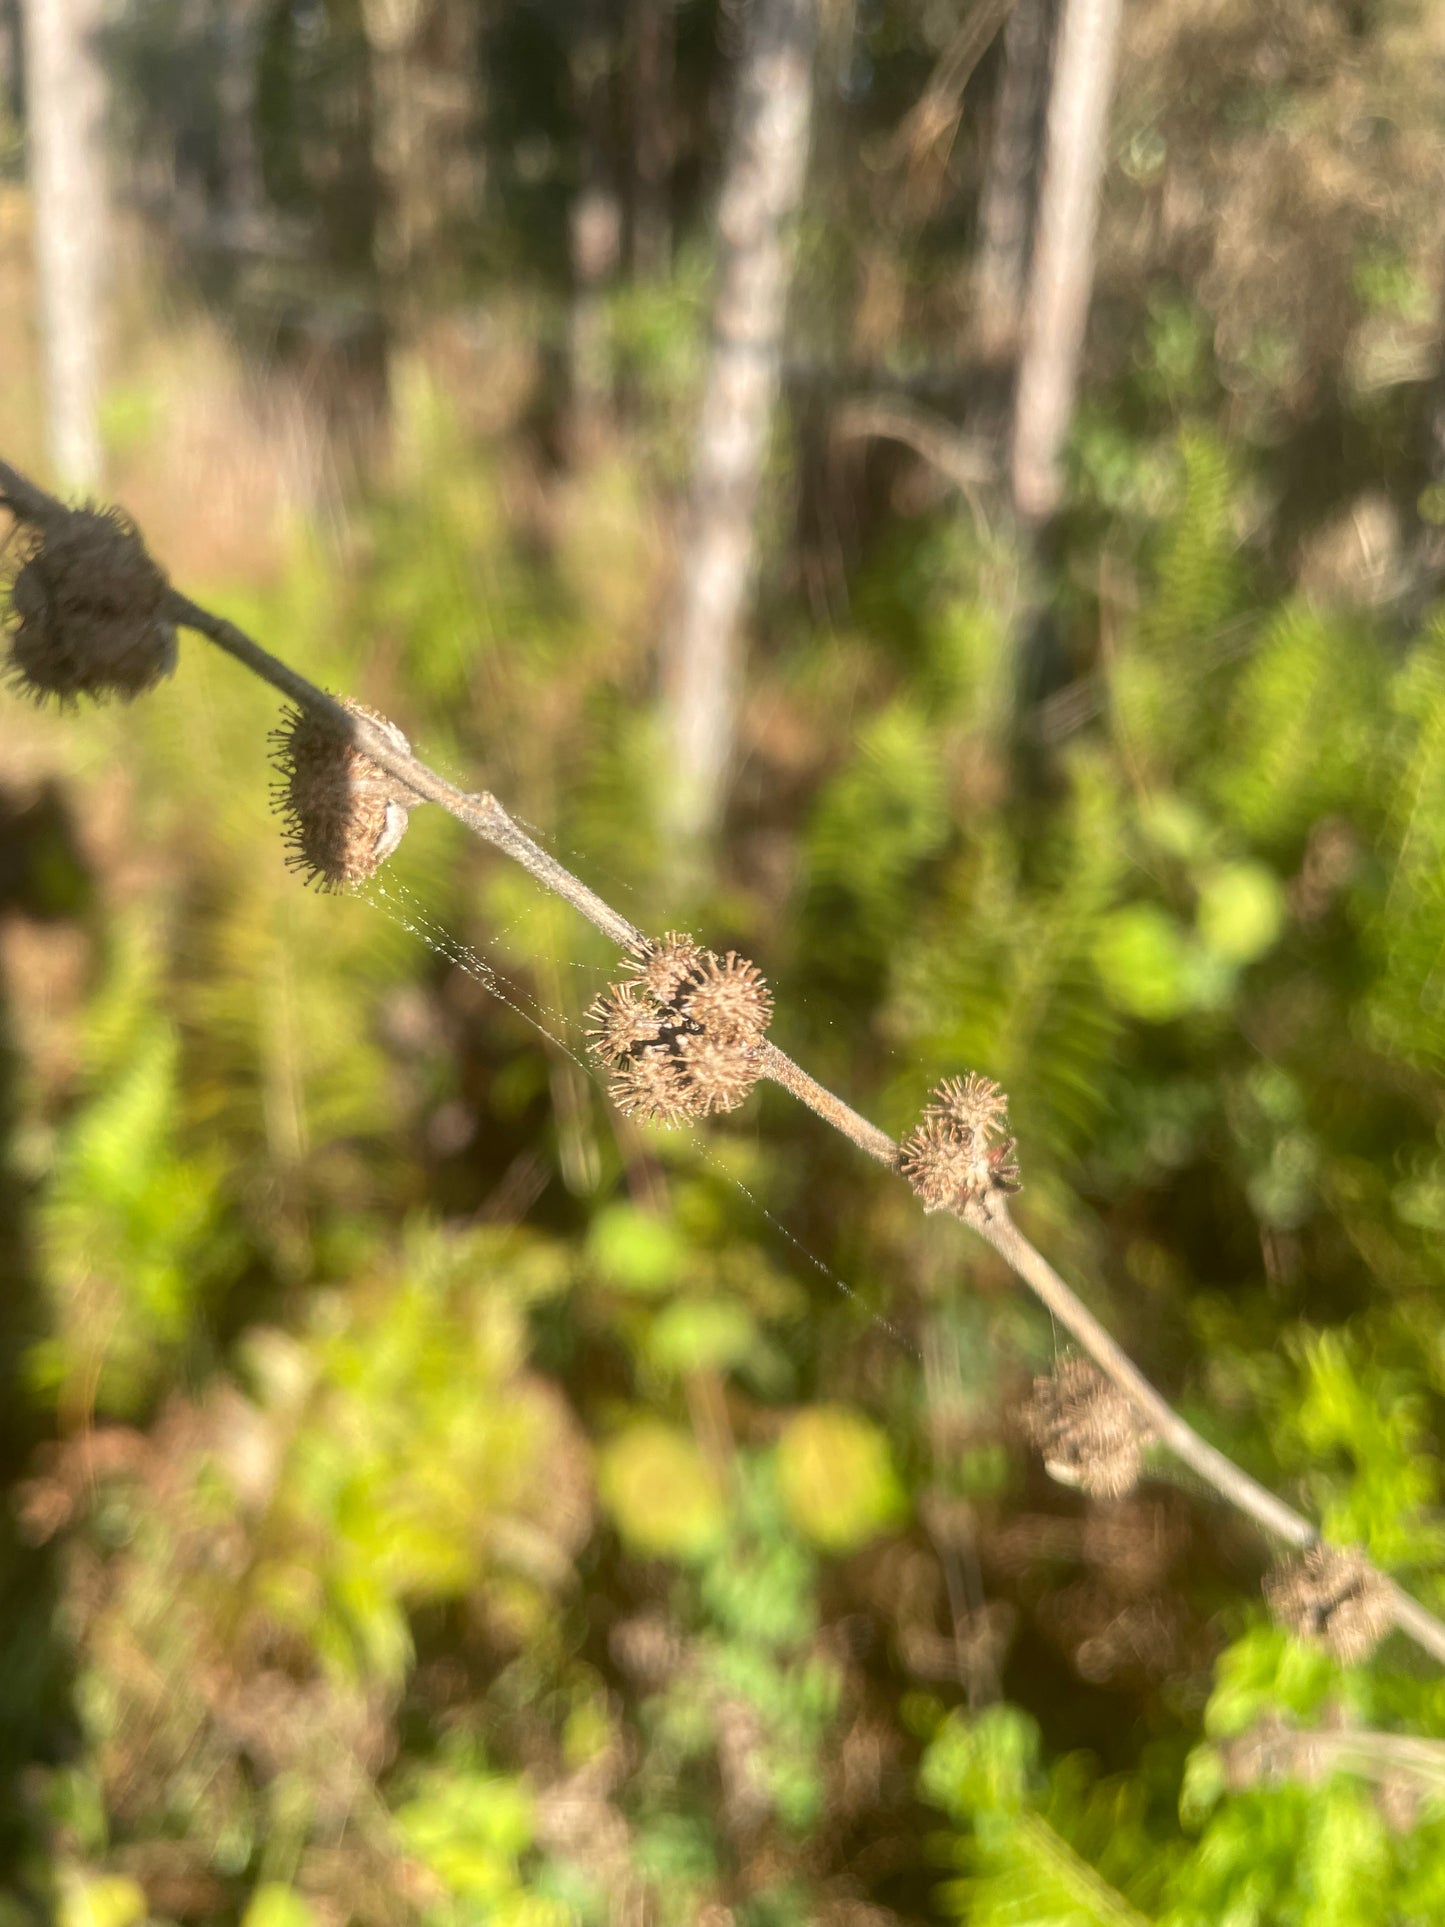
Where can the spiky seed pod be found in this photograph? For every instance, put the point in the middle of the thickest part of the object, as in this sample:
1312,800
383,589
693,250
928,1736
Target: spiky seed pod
948,1157
944,1166
663,967
87,610
729,998
620,1022
1003,1167
655,1086
343,816
720,1074
972,1103
681,1034
1332,1594
1085,1430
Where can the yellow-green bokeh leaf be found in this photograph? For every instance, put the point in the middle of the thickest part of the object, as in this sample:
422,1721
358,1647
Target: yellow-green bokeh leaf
836,1475
102,1900
273,1905
661,1492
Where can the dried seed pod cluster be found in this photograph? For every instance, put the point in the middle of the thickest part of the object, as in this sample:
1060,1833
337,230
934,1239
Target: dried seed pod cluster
961,1150
1085,1430
87,610
343,816
682,1033
1332,1594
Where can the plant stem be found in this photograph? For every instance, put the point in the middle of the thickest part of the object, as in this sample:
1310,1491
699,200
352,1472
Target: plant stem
831,1109
485,816
991,1220
481,812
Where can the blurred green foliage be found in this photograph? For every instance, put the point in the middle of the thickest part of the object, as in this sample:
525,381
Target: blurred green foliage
432,1499
391,1532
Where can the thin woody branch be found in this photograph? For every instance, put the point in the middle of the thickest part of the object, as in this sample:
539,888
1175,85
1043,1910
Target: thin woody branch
990,1218
977,1197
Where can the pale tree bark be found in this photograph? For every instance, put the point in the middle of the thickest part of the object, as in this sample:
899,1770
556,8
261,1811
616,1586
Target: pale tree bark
594,233
1006,205
1062,276
424,81
762,187
65,116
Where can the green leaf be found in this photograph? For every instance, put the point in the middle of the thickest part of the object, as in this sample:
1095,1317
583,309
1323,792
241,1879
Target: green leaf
273,1905
836,1477
1144,962
1241,911
634,1250
661,1492
701,1335
101,1900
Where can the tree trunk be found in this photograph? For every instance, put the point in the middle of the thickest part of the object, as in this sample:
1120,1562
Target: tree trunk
594,234
393,29
1006,206
1063,267
762,187
65,115
424,84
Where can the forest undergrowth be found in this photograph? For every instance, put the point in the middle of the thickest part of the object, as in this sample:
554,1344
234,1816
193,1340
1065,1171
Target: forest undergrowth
440,1496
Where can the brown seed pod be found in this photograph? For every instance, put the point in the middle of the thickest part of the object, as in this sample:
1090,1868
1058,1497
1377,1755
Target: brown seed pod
728,998
621,1022
343,816
681,1035
1334,1595
1003,1167
87,610
948,1158
721,1074
655,1085
1085,1429
971,1103
664,966
945,1166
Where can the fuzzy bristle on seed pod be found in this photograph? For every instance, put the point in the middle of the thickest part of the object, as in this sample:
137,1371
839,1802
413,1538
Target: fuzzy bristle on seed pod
87,610
622,1024
971,1103
1334,1595
343,816
682,1034
960,1151
663,968
1085,1430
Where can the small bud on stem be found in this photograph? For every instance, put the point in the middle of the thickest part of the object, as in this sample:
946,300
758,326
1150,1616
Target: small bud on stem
1085,1429
343,816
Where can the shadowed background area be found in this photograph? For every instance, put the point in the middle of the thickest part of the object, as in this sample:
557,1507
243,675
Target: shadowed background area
948,501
